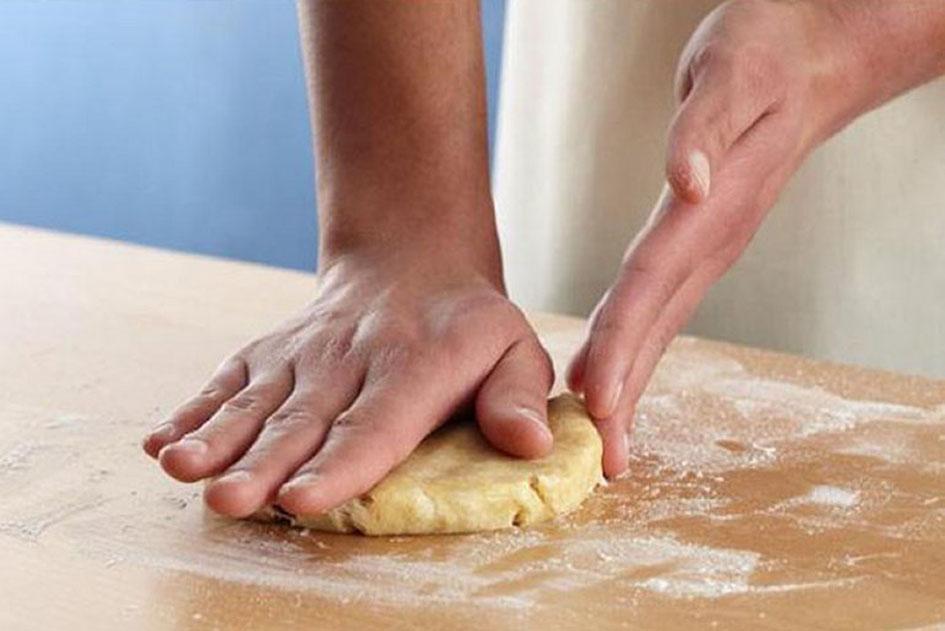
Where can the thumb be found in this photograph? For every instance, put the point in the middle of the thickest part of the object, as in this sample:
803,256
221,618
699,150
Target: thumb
715,114
512,406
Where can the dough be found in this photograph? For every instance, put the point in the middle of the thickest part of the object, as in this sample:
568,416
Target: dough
455,482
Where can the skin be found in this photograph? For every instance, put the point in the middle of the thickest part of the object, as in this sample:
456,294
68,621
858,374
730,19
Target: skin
760,85
410,322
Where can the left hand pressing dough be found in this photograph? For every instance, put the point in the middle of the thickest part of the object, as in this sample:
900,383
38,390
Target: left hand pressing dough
456,482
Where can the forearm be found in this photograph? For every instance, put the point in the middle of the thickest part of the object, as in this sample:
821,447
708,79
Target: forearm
892,47
396,90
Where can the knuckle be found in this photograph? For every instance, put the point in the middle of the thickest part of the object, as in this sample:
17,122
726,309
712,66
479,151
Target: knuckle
347,422
711,54
387,324
210,394
326,350
203,400
242,403
289,418
387,441
254,348
660,281
209,391
229,375
337,346
398,355
231,364
758,70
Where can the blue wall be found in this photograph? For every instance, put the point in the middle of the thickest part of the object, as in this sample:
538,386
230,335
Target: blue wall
176,123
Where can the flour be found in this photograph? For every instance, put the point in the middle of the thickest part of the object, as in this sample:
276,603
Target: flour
820,410
477,571
17,457
833,496
740,485
698,402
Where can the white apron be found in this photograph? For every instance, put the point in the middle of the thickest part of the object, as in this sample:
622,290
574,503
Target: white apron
850,264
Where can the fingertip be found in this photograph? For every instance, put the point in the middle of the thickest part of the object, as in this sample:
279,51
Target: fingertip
511,406
518,431
184,459
151,446
157,438
616,443
616,454
302,496
233,495
540,440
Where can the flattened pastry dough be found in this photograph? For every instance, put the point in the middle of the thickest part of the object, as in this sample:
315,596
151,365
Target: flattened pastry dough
455,482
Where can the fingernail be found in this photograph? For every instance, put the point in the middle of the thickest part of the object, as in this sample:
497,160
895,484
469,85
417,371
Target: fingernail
533,416
193,445
236,477
699,167
164,430
306,479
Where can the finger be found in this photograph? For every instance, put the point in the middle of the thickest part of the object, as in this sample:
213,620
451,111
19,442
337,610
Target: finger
575,374
289,437
380,429
673,319
230,431
676,240
657,263
615,429
512,403
613,432
723,102
578,364
679,240
228,379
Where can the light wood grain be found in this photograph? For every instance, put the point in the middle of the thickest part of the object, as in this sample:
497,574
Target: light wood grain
766,491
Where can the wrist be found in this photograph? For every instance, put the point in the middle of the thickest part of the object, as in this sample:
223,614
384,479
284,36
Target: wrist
456,240
879,49
837,90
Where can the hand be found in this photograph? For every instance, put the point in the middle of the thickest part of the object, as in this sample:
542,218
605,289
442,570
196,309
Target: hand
322,408
759,85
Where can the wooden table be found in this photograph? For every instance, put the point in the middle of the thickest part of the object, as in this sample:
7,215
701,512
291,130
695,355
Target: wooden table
766,491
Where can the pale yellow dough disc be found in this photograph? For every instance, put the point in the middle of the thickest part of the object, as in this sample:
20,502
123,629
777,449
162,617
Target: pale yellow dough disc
455,482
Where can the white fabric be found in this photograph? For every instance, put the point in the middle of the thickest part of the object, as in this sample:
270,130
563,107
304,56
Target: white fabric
850,265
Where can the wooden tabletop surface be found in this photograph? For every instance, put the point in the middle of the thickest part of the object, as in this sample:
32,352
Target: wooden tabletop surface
765,490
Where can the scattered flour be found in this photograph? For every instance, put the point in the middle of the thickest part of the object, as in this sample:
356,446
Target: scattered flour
682,527
18,456
698,403
833,496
